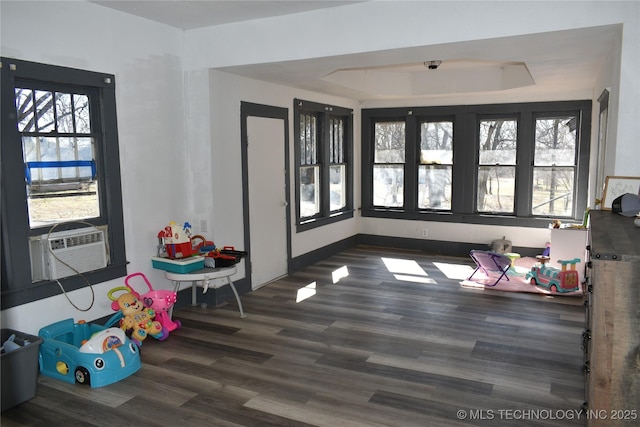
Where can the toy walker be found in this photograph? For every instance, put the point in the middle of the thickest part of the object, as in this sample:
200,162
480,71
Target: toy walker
143,314
160,301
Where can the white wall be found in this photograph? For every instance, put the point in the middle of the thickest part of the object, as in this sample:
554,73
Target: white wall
179,122
227,93
410,23
146,61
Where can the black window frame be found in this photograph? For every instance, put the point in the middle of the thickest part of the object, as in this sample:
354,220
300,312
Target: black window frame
323,114
466,122
17,287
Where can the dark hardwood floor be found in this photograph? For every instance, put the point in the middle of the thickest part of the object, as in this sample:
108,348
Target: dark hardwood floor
406,347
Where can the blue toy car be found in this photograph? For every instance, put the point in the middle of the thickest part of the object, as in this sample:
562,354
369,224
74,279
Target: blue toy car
86,353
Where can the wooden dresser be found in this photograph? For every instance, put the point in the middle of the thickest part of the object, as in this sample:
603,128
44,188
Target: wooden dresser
612,354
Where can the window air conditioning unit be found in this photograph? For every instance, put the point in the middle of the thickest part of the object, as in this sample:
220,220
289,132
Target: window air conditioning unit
67,253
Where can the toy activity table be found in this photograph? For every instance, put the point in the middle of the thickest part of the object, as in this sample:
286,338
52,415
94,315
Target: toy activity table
203,279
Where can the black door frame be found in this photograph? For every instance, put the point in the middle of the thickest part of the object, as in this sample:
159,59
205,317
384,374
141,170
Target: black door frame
248,109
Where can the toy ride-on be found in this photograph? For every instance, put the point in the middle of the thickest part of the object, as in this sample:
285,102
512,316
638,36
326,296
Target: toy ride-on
555,279
86,353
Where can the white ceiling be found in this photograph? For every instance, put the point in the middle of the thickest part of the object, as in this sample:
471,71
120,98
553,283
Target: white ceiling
191,14
567,61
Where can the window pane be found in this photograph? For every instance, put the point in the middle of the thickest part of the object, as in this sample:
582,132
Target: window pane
81,110
388,185
44,111
77,205
64,112
553,191
498,142
434,187
24,109
308,141
555,142
309,191
390,142
496,189
337,186
58,188
336,141
46,151
436,143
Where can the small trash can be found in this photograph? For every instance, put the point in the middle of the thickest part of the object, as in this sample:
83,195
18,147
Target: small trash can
19,361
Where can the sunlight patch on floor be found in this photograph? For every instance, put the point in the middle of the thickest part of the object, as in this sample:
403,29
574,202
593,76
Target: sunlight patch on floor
407,270
415,279
339,273
454,271
306,292
404,266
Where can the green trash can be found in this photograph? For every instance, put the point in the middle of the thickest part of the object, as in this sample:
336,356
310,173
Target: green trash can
19,361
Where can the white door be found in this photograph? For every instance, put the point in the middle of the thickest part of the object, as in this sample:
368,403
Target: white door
267,201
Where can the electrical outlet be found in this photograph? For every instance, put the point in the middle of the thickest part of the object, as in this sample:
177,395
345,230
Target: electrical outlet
425,232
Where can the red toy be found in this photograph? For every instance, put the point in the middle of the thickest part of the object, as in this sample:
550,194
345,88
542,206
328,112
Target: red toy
176,240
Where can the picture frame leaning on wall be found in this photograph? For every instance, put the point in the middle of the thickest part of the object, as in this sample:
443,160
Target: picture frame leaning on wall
615,186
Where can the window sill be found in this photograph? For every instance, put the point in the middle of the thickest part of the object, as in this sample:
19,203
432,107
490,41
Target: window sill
504,220
319,222
46,289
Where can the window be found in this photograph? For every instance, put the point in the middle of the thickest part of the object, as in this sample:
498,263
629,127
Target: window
60,165
603,119
436,165
388,164
508,164
337,165
324,171
309,167
554,166
498,140
58,145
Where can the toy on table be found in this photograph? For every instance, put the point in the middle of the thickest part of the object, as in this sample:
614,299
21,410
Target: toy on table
225,257
204,246
135,317
175,241
160,301
555,279
217,258
86,353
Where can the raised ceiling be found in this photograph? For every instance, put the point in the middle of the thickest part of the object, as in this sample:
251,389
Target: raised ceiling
544,63
192,14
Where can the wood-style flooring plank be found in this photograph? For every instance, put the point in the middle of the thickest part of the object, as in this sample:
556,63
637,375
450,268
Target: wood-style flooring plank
396,341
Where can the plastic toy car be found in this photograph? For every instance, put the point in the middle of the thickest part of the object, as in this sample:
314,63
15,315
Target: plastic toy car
554,279
87,353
